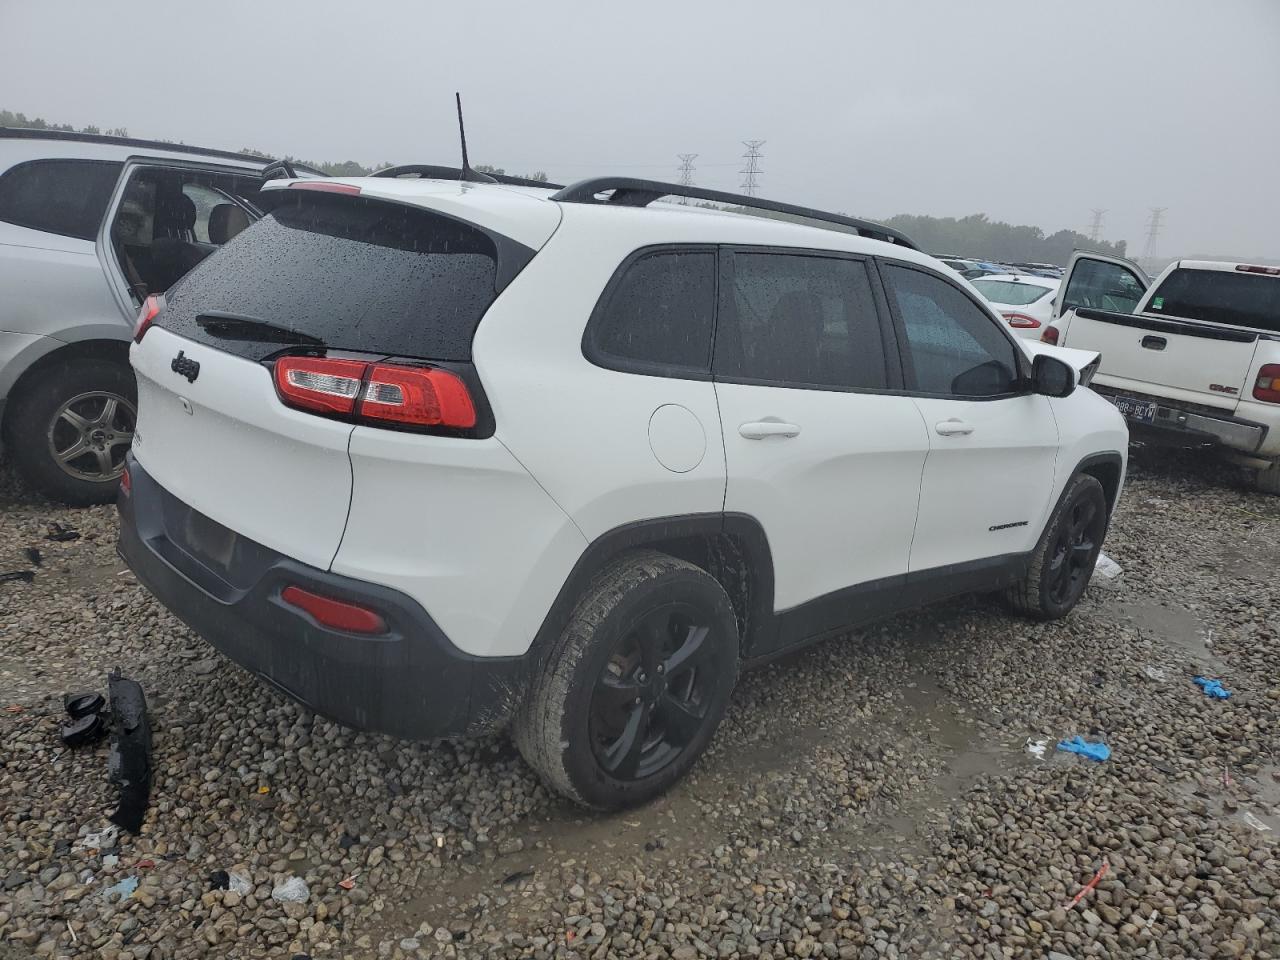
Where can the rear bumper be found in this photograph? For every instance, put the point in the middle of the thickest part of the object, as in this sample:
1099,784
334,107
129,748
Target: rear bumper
411,682
1175,418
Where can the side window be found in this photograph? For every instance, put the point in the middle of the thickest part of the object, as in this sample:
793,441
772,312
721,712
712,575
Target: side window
802,320
955,348
659,315
1098,285
67,197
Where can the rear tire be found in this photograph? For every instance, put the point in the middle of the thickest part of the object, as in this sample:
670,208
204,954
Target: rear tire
1268,480
1063,560
87,402
629,696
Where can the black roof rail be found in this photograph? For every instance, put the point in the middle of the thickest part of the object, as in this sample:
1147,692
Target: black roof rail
633,192
429,171
31,133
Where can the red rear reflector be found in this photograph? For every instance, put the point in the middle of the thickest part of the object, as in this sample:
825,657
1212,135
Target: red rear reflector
338,614
1050,335
126,482
1021,321
1269,271
314,383
324,186
1267,387
150,307
423,396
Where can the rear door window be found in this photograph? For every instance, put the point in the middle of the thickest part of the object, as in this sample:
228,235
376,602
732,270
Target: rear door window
801,321
1240,299
657,317
354,273
66,197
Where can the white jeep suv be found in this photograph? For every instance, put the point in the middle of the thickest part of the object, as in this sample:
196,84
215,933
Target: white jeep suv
433,457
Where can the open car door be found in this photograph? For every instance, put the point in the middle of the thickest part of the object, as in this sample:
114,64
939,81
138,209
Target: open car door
1096,281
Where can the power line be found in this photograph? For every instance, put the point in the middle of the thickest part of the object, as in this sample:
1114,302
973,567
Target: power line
751,172
1153,232
1095,227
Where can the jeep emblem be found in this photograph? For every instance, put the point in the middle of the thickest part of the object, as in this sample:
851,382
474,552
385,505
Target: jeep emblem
185,366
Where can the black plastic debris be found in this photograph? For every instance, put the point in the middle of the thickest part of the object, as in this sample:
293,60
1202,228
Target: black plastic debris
85,730
129,764
60,534
26,576
34,555
219,880
82,704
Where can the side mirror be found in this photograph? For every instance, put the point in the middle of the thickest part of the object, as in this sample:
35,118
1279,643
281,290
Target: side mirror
1050,377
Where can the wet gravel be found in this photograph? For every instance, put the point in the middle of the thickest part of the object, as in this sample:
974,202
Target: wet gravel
870,797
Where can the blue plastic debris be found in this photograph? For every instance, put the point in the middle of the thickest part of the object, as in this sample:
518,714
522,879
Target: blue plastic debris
1094,751
122,890
1212,688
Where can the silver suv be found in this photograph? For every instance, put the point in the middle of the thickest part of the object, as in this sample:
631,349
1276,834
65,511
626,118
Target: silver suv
89,226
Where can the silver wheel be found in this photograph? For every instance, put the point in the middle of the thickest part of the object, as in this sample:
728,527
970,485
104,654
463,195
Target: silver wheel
90,435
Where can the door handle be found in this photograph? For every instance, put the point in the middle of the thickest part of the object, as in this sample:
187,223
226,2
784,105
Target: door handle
759,429
953,428
1155,343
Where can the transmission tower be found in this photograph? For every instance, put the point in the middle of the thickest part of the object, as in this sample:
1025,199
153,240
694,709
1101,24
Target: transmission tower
1095,226
751,172
1153,232
686,170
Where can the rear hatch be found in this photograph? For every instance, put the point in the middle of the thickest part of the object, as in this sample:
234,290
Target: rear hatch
1195,339
325,276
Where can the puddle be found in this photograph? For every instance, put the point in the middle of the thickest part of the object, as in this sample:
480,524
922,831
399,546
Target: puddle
1180,629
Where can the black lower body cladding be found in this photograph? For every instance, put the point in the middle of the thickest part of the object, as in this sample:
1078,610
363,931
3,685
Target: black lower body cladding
411,682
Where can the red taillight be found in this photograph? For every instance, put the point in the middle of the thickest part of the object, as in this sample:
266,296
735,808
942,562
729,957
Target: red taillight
1267,387
324,186
1268,271
425,396
150,307
1021,321
314,383
1050,335
338,614
126,482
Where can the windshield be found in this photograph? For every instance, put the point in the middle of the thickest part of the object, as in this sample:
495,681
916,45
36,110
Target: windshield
1241,299
1010,292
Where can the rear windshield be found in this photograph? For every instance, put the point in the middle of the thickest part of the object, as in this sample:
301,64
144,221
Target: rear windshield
354,273
1009,292
1242,299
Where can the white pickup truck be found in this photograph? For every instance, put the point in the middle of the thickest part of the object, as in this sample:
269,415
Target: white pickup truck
1194,353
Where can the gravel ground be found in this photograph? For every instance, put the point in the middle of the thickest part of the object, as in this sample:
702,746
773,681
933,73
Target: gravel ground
870,797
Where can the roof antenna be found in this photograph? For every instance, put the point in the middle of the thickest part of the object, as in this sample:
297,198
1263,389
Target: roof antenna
467,173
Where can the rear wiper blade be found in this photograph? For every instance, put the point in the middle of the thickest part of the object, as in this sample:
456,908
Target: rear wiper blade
236,327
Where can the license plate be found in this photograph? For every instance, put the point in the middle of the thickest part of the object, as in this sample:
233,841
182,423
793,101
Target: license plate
1144,411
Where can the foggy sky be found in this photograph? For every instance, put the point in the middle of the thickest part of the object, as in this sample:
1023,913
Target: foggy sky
1031,111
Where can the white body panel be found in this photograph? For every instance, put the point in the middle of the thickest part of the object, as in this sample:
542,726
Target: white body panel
226,446
991,464
837,499
460,526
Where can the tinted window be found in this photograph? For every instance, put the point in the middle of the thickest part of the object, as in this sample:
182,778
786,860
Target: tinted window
660,313
1243,299
1098,285
67,197
1009,292
803,320
956,348
356,273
